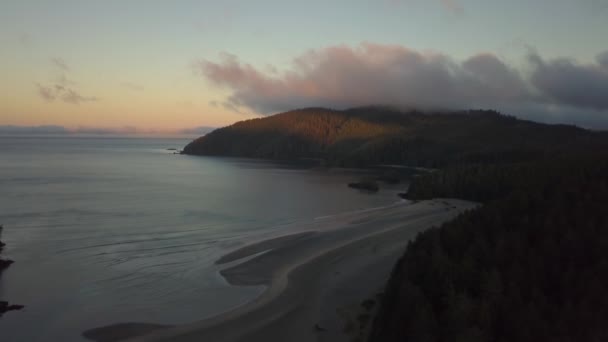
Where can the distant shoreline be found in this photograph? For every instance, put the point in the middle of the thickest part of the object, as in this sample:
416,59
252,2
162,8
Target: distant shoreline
307,275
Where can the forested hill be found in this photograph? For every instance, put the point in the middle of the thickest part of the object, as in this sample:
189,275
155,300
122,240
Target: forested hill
377,135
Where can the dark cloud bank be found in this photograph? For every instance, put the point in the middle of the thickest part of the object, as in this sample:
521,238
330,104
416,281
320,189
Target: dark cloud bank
555,90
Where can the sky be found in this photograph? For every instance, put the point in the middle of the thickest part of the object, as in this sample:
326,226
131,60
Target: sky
176,66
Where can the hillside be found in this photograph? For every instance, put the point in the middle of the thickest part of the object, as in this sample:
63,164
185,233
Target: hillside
376,135
529,265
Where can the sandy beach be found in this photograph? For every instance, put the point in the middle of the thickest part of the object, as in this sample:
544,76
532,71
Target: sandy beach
316,280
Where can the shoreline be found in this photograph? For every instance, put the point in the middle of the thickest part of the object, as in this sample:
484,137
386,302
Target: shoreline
314,279
5,306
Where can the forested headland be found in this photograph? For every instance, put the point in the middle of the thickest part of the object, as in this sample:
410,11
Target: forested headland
368,136
529,264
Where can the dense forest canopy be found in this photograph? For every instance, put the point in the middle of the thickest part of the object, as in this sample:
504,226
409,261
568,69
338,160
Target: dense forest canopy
379,135
529,265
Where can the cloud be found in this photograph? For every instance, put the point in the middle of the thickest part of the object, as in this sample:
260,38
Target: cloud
567,82
62,88
233,106
53,92
46,92
341,76
602,59
60,63
558,90
71,96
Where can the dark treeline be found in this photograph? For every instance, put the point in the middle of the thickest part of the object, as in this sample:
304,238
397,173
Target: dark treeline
377,135
529,265
486,182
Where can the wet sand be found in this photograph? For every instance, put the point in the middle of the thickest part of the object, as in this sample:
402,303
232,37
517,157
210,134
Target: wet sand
316,280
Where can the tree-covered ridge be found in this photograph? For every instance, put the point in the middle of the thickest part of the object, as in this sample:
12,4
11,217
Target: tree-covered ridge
307,133
378,135
530,265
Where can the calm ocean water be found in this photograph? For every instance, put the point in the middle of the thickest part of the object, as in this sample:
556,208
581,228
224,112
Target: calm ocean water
107,230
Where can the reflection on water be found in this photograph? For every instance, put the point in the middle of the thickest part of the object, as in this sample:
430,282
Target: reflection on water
108,230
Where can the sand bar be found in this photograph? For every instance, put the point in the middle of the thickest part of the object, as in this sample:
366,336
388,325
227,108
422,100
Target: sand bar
315,280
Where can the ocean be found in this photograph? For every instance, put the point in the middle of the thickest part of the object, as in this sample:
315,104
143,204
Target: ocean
106,230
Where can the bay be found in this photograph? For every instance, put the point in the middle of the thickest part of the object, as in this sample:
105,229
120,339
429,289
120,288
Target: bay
119,229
